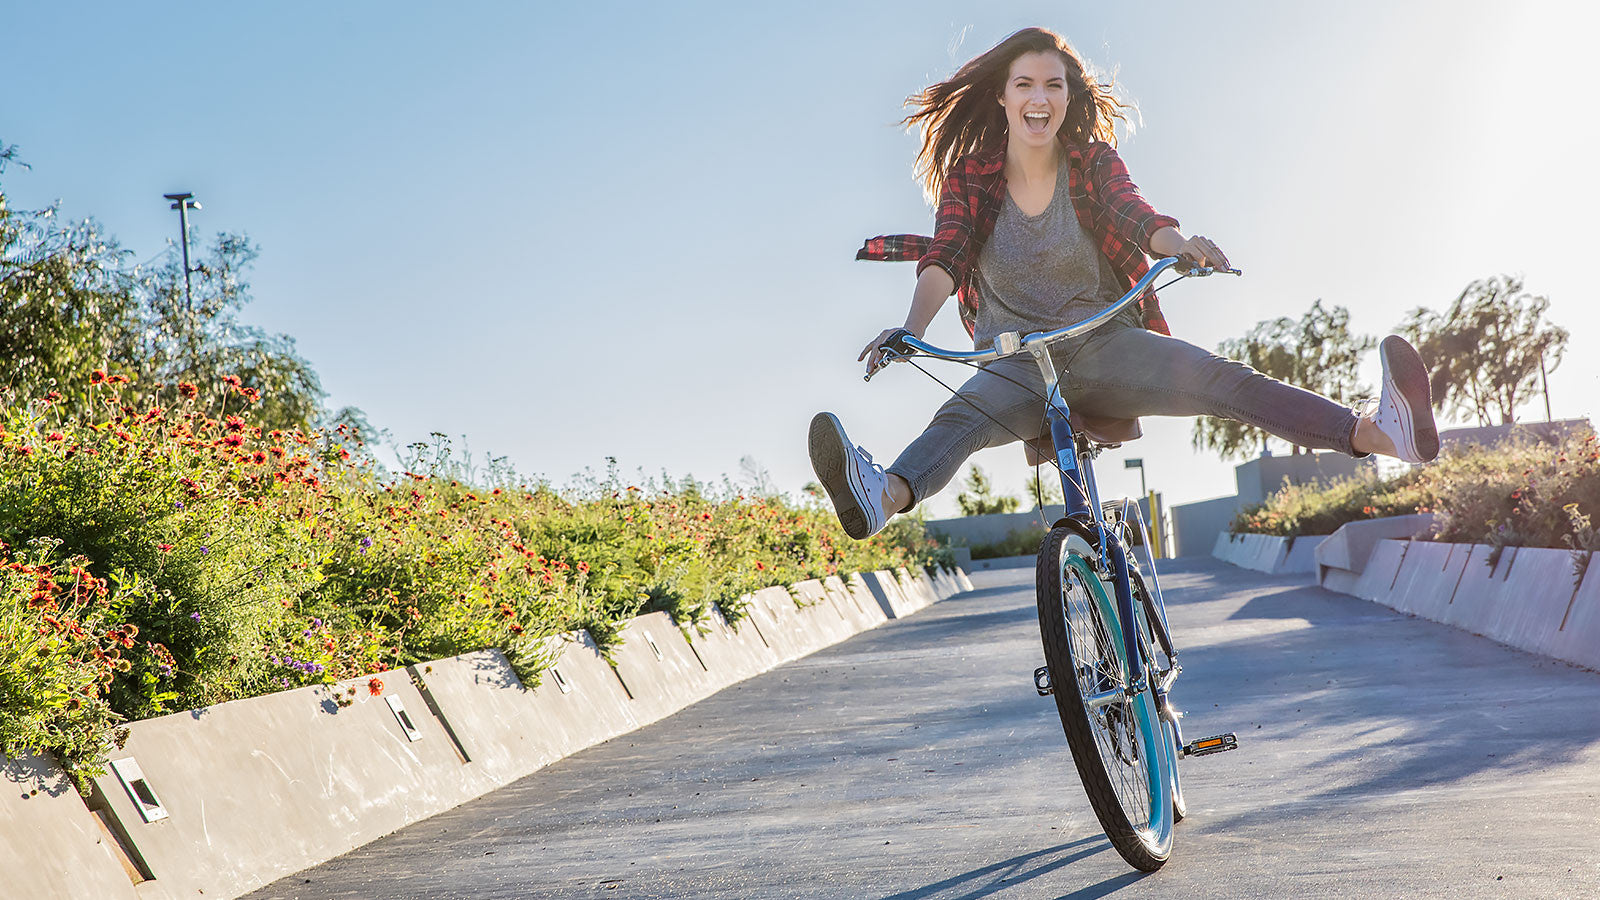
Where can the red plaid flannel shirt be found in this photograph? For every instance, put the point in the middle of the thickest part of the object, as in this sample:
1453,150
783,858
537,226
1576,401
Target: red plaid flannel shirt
1105,198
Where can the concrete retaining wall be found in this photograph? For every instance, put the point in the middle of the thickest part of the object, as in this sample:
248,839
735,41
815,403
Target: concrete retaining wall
1529,598
1269,553
218,801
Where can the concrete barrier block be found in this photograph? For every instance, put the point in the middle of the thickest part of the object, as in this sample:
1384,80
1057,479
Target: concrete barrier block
924,582
1417,580
865,603
1532,599
1378,577
256,789
917,591
1352,544
886,590
1477,591
1267,552
731,652
1222,547
963,580
1336,579
508,730
658,668
1301,556
775,613
1577,638
820,613
54,846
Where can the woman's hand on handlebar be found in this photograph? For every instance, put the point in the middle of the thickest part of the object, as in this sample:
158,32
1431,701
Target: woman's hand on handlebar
1200,250
872,352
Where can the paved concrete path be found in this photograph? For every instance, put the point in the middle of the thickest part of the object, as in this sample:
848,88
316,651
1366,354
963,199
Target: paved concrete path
1380,756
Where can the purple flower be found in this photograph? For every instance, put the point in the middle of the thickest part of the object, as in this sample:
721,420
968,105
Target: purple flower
194,616
177,504
316,623
204,550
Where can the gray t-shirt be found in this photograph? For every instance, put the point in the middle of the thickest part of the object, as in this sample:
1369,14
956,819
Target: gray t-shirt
1038,273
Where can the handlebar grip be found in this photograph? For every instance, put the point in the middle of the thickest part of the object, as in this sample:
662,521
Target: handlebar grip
896,342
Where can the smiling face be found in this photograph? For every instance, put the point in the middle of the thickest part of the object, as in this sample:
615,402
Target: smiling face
1035,98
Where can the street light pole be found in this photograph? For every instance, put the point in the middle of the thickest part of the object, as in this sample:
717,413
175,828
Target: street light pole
183,202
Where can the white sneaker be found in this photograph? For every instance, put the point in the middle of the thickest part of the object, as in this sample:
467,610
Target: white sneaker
1405,407
853,481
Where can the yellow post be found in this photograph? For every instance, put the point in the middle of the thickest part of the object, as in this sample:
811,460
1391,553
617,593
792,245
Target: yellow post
1155,529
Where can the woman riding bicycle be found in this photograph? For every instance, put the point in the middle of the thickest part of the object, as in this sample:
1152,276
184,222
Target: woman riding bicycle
1038,227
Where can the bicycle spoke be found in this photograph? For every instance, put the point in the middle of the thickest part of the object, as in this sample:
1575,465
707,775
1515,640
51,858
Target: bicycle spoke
1113,727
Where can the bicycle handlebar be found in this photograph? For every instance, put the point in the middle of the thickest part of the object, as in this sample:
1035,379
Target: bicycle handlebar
904,345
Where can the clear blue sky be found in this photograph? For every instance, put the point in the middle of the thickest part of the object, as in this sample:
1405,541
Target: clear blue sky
572,231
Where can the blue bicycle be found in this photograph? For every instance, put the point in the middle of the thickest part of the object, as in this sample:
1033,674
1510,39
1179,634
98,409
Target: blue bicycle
1109,658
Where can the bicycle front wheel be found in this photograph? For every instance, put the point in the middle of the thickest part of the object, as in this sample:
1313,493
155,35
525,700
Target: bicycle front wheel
1118,743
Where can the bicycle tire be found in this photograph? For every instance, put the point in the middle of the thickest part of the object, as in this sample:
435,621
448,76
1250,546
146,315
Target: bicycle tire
1083,648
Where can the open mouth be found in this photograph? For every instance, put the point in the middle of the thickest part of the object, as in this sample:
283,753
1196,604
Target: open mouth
1037,122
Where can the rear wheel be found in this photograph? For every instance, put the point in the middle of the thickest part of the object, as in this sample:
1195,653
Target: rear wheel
1123,752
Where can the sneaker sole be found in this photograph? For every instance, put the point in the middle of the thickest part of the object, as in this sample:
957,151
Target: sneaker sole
1405,368
829,459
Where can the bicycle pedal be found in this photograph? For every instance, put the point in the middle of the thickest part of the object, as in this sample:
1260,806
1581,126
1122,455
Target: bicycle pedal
1216,744
1042,683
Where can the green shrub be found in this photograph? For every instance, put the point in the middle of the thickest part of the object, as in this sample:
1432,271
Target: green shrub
1523,492
239,560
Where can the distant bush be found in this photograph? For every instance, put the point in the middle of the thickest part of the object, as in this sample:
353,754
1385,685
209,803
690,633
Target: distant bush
156,559
1524,492
1020,542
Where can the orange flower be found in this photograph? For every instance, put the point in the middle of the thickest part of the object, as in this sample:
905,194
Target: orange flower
187,389
375,686
98,376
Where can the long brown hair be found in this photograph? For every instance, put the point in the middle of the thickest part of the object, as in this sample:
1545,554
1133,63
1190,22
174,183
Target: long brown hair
960,115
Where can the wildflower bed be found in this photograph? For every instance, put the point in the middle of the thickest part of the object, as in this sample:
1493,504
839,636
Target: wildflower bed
1522,493
157,559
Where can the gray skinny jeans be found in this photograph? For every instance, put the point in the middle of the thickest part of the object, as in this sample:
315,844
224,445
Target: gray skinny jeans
1120,371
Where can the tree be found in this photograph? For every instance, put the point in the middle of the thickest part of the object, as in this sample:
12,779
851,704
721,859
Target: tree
1484,352
1317,352
71,302
1046,487
979,498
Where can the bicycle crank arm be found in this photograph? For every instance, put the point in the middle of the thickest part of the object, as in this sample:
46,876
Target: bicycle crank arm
1206,746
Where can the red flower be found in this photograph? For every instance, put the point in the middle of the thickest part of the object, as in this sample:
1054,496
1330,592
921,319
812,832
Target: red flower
231,380
760,567
97,376
233,440
116,379
258,457
55,436
234,423
164,548
583,567
374,686
52,397
515,628
187,389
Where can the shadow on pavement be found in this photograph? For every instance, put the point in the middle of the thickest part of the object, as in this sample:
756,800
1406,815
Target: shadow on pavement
996,877
1415,704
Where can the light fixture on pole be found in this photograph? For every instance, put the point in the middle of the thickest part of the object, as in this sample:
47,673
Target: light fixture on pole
183,202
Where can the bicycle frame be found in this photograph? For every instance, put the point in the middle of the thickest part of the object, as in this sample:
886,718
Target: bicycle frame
1078,489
